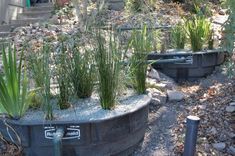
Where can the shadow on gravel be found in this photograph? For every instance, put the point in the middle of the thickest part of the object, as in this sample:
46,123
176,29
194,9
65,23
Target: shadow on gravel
158,139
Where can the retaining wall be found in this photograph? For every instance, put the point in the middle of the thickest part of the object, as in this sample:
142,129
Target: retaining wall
9,9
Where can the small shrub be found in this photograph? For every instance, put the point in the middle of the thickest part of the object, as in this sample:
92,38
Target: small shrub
141,42
198,30
108,59
229,37
82,72
178,36
13,85
229,27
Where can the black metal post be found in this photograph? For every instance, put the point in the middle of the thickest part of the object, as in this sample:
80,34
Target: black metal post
191,135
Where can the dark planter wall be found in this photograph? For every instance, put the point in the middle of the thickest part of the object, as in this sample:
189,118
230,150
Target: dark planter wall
114,136
203,64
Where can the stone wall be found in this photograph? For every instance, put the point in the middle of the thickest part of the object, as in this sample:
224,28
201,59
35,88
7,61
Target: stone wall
9,9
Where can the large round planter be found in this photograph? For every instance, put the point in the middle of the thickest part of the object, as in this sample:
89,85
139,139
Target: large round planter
116,133
198,64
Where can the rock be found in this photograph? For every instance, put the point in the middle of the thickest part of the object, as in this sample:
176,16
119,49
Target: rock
223,137
230,109
213,131
219,146
175,95
157,96
154,74
231,150
202,107
151,82
222,12
55,19
207,147
161,85
231,135
232,104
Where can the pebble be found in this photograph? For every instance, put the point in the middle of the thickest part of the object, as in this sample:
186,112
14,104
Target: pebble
175,95
219,146
231,135
213,131
232,104
223,137
202,107
230,109
207,147
231,150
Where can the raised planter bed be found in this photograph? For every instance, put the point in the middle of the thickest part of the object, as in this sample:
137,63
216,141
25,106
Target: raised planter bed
93,132
196,64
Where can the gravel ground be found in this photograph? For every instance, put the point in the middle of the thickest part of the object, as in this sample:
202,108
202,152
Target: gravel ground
206,98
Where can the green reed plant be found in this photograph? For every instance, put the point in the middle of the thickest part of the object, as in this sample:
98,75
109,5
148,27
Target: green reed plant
108,59
178,36
198,29
38,68
13,85
46,84
141,42
210,40
82,72
63,78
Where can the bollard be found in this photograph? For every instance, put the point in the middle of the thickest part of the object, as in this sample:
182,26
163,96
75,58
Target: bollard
191,135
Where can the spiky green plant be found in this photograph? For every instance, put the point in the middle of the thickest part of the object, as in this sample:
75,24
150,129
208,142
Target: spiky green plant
37,69
13,85
141,42
198,29
63,78
178,36
46,85
39,65
82,72
108,59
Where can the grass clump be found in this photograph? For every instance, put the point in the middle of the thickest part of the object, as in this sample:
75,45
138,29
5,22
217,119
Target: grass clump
210,40
62,74
82,72
141,42
198,30
108,59
46,84
39,65
178,36
14,96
